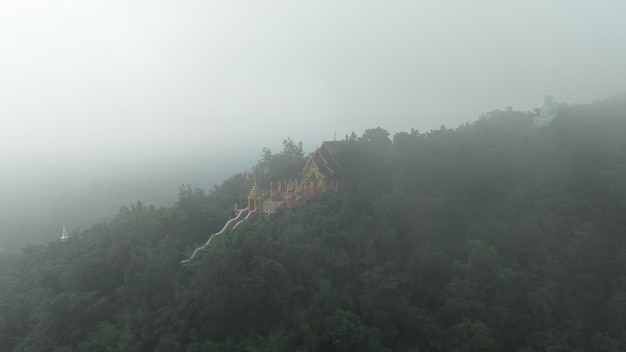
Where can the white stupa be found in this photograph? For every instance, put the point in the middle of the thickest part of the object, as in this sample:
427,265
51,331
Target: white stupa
64,235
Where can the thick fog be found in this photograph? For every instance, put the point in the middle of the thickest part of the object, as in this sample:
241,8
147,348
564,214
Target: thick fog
136,97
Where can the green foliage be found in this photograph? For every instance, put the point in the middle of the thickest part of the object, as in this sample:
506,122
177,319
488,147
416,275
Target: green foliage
471,336
106,336
489,237
282,166
343,331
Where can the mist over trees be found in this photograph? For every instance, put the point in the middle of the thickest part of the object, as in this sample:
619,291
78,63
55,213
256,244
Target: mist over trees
39,197
494,236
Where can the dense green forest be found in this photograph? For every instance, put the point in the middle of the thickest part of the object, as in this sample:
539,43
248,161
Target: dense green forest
494,236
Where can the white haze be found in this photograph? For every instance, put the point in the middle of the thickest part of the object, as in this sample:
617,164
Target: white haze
103,90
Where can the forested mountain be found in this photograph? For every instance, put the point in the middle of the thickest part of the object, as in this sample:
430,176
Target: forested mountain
494,236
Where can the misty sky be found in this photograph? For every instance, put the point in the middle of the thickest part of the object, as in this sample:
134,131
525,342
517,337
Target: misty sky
109,78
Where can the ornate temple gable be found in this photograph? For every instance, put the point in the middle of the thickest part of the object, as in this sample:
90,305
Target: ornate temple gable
321,164
315,169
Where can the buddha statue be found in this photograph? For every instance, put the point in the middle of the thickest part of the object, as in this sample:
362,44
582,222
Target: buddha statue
548,111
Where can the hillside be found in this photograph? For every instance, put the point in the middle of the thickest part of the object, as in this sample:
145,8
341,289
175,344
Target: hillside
494,236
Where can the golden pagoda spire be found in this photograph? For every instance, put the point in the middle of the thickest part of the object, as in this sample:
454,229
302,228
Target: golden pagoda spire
254,197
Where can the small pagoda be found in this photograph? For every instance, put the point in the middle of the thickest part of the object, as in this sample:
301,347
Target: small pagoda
64,235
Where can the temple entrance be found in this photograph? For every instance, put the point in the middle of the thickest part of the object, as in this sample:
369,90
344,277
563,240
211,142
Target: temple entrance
314,181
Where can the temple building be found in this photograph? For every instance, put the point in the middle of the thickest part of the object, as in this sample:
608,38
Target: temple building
319,175
321,168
